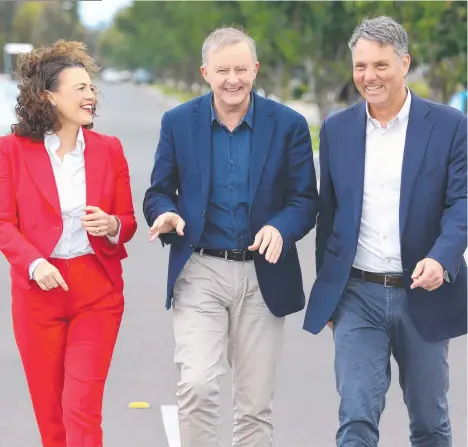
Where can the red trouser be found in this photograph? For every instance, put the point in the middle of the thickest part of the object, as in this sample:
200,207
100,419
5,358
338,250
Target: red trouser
66,341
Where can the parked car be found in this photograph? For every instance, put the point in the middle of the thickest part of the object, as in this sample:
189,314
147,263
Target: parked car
116,76
142,76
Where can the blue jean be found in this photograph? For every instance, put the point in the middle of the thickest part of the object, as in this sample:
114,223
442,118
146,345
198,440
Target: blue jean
371,322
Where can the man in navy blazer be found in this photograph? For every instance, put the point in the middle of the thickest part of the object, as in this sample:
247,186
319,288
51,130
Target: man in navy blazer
232,190
391,234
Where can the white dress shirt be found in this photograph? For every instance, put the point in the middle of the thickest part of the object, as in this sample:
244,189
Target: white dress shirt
378,247
71,185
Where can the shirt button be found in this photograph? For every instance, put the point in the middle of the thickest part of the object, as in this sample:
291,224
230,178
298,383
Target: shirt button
231,187
203,213
232,162
385,238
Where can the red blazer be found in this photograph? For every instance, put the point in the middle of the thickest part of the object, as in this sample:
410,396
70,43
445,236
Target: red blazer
30,215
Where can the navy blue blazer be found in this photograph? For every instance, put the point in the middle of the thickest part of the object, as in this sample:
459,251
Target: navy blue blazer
282,190
432,213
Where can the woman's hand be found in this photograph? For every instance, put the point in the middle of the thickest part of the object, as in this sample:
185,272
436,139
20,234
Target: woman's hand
48,277
99,223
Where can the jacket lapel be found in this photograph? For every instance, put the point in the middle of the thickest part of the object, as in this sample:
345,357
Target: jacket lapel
40,168
417,137
355,139
96,166
201,137
264,124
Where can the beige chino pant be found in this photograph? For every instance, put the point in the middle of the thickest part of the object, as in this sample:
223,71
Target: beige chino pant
219,303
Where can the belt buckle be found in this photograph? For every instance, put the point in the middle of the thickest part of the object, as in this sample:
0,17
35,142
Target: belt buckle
236,251
226,255
385,281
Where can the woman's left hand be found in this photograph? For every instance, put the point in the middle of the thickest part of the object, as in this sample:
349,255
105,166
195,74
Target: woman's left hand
99,223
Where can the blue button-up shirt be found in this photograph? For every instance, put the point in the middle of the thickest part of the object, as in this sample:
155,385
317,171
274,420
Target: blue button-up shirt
227,218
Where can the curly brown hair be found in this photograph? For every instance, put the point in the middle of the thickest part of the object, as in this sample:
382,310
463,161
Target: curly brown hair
37,73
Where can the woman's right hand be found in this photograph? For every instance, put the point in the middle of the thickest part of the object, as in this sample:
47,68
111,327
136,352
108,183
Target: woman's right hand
48,277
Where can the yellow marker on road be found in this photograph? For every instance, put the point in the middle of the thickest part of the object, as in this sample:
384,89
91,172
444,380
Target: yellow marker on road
138,405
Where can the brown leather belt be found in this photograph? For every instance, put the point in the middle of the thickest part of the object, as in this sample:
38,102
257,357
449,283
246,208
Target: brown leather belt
387,280
235,254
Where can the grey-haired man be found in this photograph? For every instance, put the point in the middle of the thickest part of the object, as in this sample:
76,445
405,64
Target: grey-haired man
234,177
391,234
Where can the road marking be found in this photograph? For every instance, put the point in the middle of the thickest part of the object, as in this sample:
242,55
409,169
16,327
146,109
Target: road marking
171,424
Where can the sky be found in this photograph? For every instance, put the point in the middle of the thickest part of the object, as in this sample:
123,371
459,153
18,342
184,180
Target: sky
96,12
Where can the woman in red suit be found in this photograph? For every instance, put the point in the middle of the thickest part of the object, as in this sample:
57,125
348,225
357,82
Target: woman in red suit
65,214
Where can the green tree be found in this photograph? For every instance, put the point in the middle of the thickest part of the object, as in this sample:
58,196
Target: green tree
163,36
42,23
306,40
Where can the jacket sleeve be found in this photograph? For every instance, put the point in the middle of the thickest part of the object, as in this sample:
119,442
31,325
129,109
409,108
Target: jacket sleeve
451,244
298,216
161,196
122,203
17,249
327,205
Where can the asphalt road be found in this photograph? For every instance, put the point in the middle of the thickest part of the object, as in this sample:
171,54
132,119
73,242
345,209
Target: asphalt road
142,370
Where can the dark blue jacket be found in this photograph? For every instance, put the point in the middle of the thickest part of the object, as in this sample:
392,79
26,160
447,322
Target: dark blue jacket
282,190
432,214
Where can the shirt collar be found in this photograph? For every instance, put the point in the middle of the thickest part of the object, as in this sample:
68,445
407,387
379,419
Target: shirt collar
52,142
248,117
402,115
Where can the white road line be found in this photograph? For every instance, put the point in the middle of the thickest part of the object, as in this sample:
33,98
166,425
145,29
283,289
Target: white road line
171,424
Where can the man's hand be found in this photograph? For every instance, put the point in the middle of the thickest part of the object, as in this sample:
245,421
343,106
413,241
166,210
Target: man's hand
428,274
268,238
165,223
99,223
48,277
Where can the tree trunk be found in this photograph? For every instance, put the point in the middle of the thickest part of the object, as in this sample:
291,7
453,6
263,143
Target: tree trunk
310,74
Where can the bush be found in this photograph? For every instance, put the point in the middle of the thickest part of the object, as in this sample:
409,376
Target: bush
299,91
